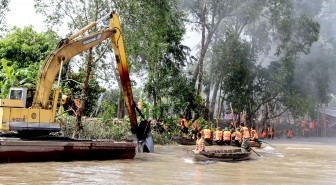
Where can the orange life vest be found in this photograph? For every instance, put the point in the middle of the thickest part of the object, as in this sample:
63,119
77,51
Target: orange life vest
184,123
199,144
270,131
254,134
263,134
227,135
246,133
207,133
289,134
238,136
219,135
311,125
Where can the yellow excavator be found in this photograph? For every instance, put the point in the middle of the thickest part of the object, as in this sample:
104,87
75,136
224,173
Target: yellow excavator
32,112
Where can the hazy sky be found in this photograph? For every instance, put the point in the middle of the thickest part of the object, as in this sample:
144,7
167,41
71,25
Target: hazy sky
22,13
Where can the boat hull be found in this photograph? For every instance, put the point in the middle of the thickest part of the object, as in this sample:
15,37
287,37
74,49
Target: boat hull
39,151
226,155
185,141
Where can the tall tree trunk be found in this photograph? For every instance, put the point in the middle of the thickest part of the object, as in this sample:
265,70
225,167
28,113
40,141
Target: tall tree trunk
121,103
218,107
195,75
222,104
80,110
155,105
213,100
121,100
208,90
200,63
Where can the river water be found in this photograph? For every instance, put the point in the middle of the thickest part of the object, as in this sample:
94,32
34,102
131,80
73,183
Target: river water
296,161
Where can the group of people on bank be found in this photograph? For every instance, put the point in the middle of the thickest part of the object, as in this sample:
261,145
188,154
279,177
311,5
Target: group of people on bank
239,136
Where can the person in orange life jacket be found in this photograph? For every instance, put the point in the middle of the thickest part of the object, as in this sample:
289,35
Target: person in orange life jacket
289,133
227,136
184,126
270,132
218,135
206,133
254,134
233,132
237,137
263,133
245,138
200,146
195,129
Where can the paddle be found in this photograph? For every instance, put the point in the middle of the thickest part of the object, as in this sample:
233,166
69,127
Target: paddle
266,142
255,152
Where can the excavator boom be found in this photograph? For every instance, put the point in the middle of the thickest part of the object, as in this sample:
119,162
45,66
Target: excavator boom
41,115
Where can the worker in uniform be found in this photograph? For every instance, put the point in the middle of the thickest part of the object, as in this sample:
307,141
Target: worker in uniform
311,128
245,138
270,132
254,134
200,146
218,135
263,133
237,137
289,133
226,136
184,126
206,133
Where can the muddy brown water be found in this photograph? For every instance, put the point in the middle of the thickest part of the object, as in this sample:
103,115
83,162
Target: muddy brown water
296,161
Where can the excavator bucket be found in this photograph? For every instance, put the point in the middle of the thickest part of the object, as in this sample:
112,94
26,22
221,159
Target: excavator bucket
146,144
144,136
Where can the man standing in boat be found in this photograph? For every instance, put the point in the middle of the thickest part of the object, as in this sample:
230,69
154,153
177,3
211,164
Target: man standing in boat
246,137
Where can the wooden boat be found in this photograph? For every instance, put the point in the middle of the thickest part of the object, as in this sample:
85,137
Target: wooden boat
185,141
17,150
224,155
256,144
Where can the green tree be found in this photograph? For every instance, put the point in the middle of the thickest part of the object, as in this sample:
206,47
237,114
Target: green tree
153,42
22,51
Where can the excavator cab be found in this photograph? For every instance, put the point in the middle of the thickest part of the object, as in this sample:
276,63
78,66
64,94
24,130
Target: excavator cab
21,93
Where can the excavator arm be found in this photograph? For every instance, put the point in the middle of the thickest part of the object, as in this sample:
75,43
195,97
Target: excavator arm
69,48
